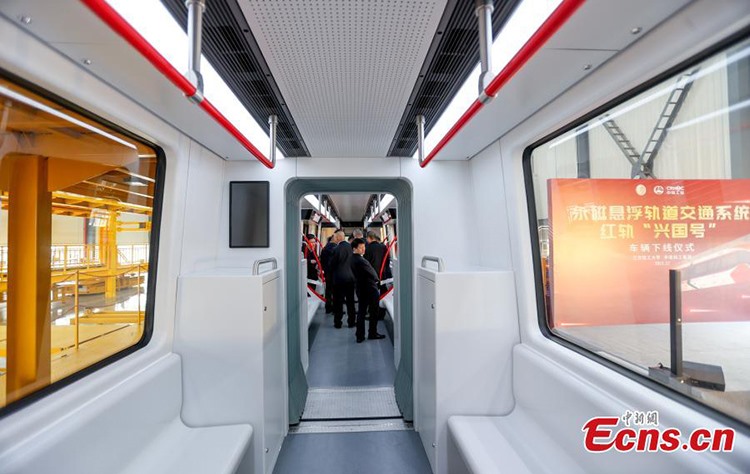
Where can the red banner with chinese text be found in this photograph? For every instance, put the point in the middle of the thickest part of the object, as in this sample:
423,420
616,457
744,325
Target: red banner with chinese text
613,242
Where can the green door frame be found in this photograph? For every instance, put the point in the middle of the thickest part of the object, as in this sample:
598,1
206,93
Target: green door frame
401,189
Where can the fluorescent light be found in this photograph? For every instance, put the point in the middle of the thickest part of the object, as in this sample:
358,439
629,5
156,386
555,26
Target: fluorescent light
45,108
156,24
313,201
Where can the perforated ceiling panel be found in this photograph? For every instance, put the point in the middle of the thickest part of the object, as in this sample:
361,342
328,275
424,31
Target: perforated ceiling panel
346,68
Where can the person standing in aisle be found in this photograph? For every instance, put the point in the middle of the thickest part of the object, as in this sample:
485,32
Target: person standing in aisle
325,260
367,292
375,253
343,281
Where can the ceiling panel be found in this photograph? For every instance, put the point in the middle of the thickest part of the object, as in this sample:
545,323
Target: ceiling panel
345,68
351,207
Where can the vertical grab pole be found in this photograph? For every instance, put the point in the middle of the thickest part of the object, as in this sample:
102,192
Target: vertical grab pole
420,138
76,302
675,321
483,10
273,122
195,39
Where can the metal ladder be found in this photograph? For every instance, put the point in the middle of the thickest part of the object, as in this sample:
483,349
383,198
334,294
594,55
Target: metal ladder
664,122
622,141
643,163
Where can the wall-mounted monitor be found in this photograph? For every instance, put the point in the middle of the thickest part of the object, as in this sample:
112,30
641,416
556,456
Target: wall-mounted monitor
248,214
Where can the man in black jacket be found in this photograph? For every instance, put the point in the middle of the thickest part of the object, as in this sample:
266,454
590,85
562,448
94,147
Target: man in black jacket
367,292
375,252
325,260
343,281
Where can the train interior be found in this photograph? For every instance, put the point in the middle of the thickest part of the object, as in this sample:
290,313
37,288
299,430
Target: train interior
559,189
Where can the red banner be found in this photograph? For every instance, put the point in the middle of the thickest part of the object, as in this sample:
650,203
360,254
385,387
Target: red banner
613,242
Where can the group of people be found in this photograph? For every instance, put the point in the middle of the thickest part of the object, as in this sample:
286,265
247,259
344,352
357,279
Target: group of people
354,265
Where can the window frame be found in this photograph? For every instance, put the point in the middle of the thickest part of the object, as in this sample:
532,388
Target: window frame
734,39
148,318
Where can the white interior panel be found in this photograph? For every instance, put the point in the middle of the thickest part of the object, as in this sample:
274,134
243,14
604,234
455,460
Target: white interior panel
346,69
233,347
465,330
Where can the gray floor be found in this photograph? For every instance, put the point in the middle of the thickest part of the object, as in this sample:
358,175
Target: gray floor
336,360
353,453
339,364
350,403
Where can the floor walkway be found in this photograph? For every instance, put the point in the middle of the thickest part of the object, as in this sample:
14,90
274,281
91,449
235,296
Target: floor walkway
351,423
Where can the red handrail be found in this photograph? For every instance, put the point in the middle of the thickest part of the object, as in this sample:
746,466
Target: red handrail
320,265
385,257
554,22
118,24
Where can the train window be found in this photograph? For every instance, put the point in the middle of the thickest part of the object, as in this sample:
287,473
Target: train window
76,234
643,224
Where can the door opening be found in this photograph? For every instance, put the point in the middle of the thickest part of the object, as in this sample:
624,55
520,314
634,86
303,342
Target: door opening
331,375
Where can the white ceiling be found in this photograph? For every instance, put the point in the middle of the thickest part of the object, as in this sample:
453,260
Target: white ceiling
351,207
346,68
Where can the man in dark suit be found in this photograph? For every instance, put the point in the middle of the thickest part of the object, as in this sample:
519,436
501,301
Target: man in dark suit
375,252
367,292
326,255
343,281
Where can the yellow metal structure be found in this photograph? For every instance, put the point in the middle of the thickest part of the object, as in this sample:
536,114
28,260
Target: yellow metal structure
29,239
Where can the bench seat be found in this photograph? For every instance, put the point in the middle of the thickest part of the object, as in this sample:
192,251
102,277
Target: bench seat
505,444
134,427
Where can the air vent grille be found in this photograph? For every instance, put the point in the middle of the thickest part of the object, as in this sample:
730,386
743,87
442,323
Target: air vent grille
232,50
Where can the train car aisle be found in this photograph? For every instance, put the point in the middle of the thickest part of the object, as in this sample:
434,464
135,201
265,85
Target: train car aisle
336,360
351,422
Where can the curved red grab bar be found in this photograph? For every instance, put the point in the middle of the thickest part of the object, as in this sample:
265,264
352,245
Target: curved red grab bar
551,25
118,24
312,249
385,257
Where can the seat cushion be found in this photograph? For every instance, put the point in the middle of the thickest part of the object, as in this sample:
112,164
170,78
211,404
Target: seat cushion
184,450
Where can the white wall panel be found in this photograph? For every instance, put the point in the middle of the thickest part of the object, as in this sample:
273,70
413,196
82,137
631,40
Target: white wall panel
201,220
441,212
465,331
233,347
348,167
489,223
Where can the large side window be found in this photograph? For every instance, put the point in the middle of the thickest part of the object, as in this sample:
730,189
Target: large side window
642,214
79,206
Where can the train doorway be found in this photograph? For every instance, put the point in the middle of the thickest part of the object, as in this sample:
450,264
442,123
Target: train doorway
306,215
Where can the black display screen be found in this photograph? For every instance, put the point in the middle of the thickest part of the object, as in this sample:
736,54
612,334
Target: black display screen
248,214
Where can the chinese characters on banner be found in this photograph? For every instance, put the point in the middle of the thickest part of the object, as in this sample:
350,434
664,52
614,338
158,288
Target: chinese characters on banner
613,242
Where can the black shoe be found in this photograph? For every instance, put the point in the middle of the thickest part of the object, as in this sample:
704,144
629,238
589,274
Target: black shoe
337,325
351,325
376,336
360,339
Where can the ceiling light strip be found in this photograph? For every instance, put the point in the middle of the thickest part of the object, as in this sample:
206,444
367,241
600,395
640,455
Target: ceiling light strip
118,24
551,25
